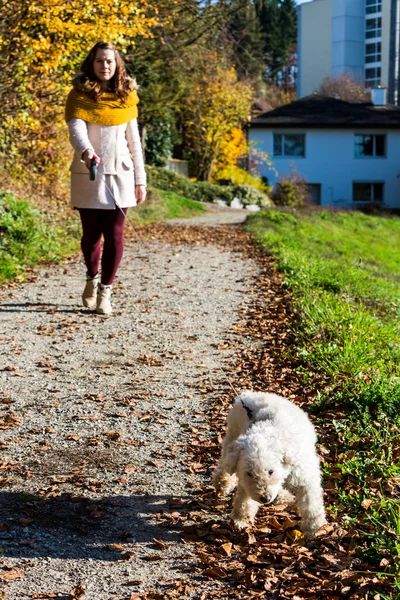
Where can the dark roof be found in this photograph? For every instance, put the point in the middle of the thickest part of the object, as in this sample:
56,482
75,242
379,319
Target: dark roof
259,106
319,111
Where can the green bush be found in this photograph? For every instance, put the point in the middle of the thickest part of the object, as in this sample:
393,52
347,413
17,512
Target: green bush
25,239
158,142
202,191
163,179
209,192
248,194
290,191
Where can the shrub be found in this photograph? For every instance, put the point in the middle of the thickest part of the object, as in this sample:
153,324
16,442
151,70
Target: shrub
158,142
163,179
291,190
26,240
237,176
251,195
209,192
202,191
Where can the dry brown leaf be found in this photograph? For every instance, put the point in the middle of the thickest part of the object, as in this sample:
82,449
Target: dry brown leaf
227,548
115,547
11,575
128,555
215,572
129,469
78,592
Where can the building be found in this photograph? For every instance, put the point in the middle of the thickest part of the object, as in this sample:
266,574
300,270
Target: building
348,153
357,37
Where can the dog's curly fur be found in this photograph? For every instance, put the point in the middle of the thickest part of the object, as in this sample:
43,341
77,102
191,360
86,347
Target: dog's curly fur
269,455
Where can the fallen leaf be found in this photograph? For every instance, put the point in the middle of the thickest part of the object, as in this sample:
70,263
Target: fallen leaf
78,592
128,554
227,548
11,575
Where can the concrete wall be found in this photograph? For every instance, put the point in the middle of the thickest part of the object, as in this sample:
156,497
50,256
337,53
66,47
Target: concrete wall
348,38
386,29
314,45
330,161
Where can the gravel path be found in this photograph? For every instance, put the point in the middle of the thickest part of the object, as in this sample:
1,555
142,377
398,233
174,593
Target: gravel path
96,415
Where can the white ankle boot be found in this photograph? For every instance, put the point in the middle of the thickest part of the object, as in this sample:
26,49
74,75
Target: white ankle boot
89,296
104,300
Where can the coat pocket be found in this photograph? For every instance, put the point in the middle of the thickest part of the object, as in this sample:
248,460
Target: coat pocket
127,163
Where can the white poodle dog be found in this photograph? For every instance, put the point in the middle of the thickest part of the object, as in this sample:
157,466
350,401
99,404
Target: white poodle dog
269,453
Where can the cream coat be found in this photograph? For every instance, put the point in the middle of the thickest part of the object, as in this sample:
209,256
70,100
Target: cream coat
120,169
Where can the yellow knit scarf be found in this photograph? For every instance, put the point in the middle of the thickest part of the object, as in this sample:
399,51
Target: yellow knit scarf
108,110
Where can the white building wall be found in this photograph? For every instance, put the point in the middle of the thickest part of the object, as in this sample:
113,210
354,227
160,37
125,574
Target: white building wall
348,38
330,161
314,45
386,16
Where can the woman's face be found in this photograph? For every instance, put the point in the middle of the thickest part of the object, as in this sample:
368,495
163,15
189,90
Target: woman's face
104,65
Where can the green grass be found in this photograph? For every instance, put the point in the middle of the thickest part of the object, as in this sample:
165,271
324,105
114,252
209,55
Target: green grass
26,240
161,205
343,270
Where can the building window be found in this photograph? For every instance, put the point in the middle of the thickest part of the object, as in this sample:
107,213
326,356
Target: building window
367,192
369,145
289,144
373,77
373,28
373,6
373,52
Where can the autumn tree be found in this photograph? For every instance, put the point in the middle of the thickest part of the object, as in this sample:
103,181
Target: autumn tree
344,87
42,45
217,104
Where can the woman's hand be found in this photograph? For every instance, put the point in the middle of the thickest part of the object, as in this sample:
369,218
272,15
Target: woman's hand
140,193
87,157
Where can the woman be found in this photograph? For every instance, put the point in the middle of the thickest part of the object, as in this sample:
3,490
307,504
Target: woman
101,113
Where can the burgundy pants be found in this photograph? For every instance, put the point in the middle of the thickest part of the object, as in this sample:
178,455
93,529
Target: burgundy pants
109,224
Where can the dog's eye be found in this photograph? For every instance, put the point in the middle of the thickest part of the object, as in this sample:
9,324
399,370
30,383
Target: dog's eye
271,472
250,474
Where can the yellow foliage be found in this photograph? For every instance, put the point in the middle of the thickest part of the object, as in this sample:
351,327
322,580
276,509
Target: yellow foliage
239,176
232,147
217,105
42,46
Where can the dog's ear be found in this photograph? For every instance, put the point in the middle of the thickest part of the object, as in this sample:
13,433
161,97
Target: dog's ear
286,461
232,457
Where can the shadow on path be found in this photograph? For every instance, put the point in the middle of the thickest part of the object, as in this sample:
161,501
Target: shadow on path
77,527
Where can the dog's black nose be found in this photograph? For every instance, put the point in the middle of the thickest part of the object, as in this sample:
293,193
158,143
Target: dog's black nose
266,498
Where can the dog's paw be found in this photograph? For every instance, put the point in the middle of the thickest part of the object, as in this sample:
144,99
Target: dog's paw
241,523
310,526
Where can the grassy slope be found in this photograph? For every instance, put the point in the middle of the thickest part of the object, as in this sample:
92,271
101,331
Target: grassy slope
344,271
161,205
27,240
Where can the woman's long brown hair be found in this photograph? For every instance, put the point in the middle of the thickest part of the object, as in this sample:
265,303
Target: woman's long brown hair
87,82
